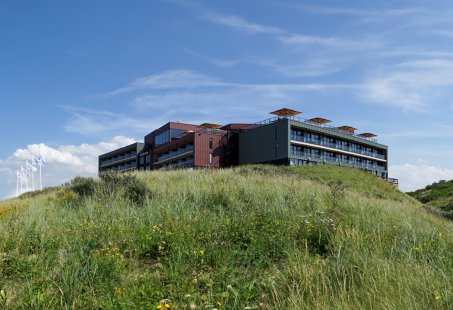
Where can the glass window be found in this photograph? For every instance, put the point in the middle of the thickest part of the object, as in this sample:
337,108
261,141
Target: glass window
175,133
162,138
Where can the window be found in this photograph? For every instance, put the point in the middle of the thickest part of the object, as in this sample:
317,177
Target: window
162,138
210,144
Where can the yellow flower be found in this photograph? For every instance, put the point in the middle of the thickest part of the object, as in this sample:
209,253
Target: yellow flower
167,306
437,297
201,252
159,306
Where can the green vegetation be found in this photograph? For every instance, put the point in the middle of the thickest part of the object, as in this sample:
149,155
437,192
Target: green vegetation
438,198
258,237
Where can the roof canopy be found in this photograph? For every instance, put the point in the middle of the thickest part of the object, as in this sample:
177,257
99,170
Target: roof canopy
185,133
367,135
347,128
209,125
319,120
285,112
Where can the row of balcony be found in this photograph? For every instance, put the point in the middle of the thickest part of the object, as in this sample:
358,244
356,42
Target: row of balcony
179,164
118,158
333,159
337,145
132,165
177,152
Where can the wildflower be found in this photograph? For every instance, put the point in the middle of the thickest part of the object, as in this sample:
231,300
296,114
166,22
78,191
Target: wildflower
437,297
167,306
225,294
159,306
201,252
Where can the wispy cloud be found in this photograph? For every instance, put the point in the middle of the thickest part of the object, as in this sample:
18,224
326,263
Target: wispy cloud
412,85
169,80
240,24
212,60
90,122
368,14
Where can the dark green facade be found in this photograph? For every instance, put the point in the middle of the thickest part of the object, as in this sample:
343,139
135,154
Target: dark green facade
265,144
291,142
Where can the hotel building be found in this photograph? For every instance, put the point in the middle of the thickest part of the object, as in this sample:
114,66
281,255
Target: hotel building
284,139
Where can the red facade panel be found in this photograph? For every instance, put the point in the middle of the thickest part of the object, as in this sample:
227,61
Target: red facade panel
202,149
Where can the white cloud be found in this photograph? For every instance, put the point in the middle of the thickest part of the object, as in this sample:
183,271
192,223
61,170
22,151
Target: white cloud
240,24
341,43
412,177
170,79
214,61
366,14
63,162
90,122
412,85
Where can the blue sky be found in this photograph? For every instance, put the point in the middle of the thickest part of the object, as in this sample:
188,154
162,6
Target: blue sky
80,78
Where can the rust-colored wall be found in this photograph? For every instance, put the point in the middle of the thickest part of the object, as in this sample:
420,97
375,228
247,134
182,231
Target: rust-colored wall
201,149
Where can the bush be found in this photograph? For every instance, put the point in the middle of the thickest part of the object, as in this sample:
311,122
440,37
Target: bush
84,187
67,199
128,186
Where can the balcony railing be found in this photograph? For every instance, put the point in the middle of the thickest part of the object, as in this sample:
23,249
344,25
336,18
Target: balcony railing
310,123
339,146
175,153
332,159
119,158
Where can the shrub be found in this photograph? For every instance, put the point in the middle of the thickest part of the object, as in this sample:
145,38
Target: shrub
128,186
67,199
84,187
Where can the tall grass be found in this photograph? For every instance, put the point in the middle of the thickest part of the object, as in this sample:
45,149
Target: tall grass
258,237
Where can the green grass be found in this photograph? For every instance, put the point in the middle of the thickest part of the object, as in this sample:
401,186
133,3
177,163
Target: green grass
438,197
262,237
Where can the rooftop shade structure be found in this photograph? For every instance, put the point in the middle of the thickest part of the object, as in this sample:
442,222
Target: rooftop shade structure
185,133
285,112
319,120
367,135
347,128
209,125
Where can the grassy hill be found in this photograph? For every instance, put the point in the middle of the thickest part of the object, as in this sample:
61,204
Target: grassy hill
438,197
258,237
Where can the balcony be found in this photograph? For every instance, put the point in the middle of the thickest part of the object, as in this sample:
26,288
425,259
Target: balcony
338,146
124,157
338,160
175,153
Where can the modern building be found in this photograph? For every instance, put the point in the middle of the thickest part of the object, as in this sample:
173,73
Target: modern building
285,139
289,140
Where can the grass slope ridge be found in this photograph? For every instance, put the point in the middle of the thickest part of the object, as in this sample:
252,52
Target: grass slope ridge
438,197
257,237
